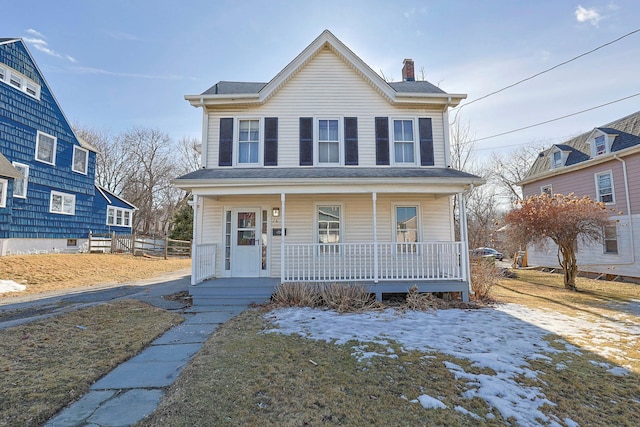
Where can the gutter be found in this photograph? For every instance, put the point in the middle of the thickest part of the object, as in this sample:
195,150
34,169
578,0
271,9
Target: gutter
629,213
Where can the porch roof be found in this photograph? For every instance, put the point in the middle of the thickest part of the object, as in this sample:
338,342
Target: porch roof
323,180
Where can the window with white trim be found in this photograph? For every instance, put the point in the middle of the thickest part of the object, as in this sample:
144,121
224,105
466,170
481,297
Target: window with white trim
557,159
329,228
546,189
600,144
20,184
248,142
329,141
3,192
404,145
80,159
19,81
610,239
118,217
604,187
406,228
46,148
62,203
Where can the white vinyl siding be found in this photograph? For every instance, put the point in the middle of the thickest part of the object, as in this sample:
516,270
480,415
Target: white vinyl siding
326,86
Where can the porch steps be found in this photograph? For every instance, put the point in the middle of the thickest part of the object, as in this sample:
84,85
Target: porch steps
232,291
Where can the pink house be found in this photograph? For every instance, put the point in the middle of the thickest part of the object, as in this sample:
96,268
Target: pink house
603,164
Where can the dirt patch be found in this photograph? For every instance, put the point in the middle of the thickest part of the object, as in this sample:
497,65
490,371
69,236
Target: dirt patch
54,272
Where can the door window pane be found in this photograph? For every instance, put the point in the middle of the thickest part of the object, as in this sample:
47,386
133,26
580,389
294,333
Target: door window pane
329,228
406,228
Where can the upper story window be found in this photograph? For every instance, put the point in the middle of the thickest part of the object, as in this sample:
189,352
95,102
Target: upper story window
19,81
546,189
20,185
604,187
46,148
600,144
80,159
328,141
62,203
557,159
403,142
248,141
3,192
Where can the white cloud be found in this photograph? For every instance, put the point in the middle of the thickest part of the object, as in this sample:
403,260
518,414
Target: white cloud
103,72
39,42
35,33
588,15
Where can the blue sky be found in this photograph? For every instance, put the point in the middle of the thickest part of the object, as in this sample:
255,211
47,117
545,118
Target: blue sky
119,64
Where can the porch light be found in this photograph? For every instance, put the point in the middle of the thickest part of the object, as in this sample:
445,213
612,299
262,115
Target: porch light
275,212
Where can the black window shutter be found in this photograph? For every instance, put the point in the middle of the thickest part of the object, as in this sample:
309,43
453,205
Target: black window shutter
271,141
426,142
225,152
382,141
350,140
306,141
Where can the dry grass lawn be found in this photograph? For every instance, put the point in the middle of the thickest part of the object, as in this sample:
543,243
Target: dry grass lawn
245,377
53,272
47,364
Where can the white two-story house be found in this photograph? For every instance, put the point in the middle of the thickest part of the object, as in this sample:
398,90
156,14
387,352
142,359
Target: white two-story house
328,173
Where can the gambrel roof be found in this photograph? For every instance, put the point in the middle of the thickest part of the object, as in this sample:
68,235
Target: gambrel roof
626,134
406,92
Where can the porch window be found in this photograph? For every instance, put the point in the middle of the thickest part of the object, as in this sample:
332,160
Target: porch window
227,241
406,228
329,229
604,185
403,141
248,141
610,239
328,142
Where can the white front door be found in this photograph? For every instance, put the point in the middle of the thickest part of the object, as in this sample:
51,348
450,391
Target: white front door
245,245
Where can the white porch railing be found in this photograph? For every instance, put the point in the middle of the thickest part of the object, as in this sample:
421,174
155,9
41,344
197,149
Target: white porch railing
203,261
424,261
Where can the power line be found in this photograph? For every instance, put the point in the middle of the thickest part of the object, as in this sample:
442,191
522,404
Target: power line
459,107
557,118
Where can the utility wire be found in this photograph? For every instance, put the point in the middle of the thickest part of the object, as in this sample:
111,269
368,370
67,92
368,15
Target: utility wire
459,107
557,118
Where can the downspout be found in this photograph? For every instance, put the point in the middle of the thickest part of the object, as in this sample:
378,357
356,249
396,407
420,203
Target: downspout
464,236
628,200
194,245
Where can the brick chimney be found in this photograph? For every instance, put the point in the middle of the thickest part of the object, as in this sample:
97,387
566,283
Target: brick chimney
407,71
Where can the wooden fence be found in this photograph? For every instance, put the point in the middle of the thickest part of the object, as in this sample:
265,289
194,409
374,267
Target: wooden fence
138,245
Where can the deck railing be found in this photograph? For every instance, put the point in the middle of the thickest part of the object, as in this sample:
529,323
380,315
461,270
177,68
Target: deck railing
204,262
424,261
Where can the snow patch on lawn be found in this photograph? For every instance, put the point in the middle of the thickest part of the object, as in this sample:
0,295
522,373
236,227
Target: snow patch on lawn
429,402
503,340
11,286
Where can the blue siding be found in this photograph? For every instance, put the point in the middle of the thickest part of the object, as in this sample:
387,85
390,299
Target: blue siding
21,117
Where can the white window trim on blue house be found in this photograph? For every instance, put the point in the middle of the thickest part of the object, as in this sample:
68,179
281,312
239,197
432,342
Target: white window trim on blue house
19,81
67,203
114,214
53,152
85,153
3,192
24,170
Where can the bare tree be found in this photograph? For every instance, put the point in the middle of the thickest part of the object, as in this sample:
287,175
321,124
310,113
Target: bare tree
189,149
509,169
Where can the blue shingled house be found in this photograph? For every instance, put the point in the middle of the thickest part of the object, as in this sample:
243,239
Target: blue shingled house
48,196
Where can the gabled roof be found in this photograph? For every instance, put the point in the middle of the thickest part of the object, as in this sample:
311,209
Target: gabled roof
114,200
626,134
415,92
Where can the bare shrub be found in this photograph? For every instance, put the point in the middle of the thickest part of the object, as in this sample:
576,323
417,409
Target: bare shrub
347,297
421,301
484,275
296,295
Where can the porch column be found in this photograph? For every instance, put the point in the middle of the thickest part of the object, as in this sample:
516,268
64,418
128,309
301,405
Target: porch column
194,245
282,233
374,197
464,237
